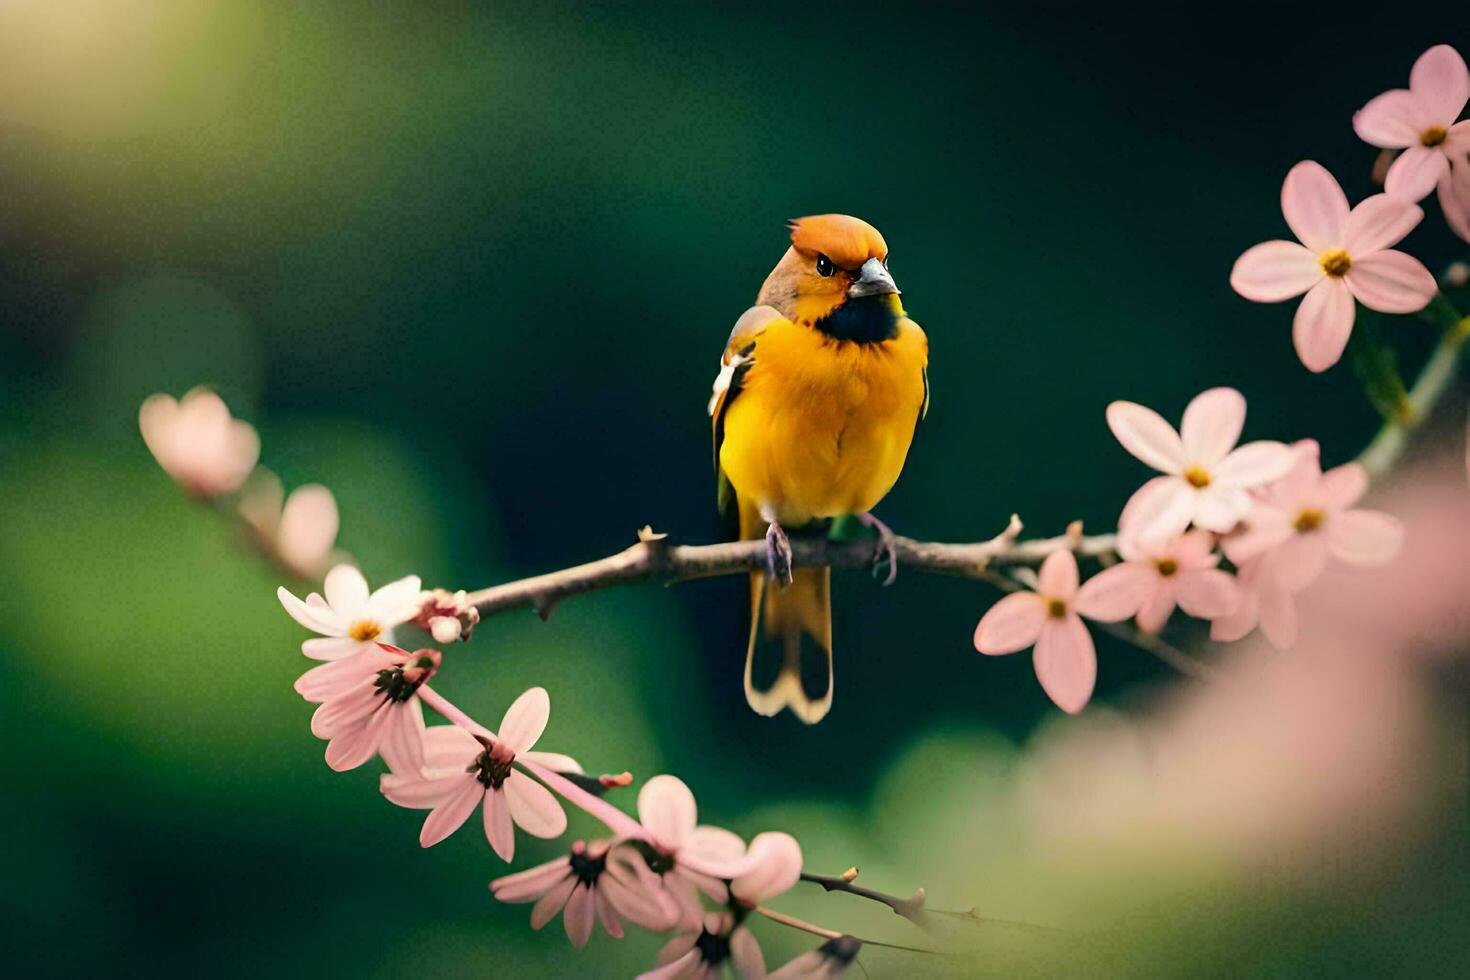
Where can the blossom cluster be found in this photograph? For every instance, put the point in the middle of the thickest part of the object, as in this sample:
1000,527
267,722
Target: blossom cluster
1344,255
657,872
1265,506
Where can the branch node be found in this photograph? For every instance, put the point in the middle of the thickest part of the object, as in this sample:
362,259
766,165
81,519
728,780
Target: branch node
850,874
647,535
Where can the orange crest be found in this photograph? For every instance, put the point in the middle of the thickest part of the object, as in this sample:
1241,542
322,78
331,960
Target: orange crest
846,240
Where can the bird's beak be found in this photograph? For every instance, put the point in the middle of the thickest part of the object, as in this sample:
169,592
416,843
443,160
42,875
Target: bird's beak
873,280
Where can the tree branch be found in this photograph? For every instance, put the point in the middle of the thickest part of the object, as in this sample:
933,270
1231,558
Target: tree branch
1433,381
912,908
654,559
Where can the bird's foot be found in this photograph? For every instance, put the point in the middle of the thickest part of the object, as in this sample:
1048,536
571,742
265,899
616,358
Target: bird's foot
887,547
778,555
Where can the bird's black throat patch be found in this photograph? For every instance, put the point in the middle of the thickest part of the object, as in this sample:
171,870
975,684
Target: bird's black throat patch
866,320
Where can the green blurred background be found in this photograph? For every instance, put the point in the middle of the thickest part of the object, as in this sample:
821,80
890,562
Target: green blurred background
471,266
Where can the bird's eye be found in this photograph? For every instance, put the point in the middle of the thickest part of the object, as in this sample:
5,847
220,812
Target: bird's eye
824,265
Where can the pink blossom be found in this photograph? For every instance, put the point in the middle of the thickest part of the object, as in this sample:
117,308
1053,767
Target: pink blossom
1420,120
1344,254
595,882
350,619
448,616
831,959
690,857
298,531
1151,581
368,705
1206,475
1308,516
707,948
775,865
1065,661
1263,602
198,443
463,771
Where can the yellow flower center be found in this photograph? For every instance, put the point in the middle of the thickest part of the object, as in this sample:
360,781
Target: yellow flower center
1309,520
1433,136
1166,566
1056,608
364,630
1197,477
1336,263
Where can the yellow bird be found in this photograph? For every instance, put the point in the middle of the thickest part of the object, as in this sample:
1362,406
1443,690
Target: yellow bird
820,387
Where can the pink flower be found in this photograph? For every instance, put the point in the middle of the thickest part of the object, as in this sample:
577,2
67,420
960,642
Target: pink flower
596,881
1066,661
1206,476
1344,255
197,442
298,531
705,950
1263,602
369,705
448,616
831,959
1420,120
1149,582
775,865
1308,515
688,856
350,619
463,771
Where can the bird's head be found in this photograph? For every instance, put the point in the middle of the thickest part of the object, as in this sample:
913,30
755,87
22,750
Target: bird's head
834,260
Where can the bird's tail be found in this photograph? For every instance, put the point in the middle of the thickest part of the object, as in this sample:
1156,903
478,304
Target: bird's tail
788,662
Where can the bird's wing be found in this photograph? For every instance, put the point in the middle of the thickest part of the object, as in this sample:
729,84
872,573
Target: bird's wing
739,355
911,332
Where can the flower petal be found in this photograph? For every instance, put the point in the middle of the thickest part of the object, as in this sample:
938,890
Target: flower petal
580,915
1391,282
308,528
526,719
1300,561
1147,436
1255,463
714,851
316,619
1440,83
331,647
531,884
554,761
1273,271
498,828
1156,608
402,747
552,902
1364,537
1058,575
1066,663
1342,486
1454,197
1323,323
346,590
1380,221
1159,510
1221,508
607,914
1391,120
398,601
1278,618
1207,594
1315,207
533,808
452,812
1115,594
1011,624
1212,424
776,865
746,956
667,810
1411,177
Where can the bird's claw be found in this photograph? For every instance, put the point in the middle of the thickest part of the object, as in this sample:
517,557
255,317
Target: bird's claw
778,555
887,547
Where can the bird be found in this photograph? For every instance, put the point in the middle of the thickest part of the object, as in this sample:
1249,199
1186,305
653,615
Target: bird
820,389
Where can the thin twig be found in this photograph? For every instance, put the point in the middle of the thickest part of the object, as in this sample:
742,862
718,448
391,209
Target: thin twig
1434,380
912,908
825,933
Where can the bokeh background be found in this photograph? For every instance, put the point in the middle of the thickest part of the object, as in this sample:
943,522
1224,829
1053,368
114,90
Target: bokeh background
471,266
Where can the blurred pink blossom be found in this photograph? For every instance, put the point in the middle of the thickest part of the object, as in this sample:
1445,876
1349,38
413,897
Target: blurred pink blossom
1420,120
1264,602
831,959
462,771
1150,581
1066,660
298,531
1206,474
1344,254
707,948
350,619
775,865
596,881
368,704
696,857
198,443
